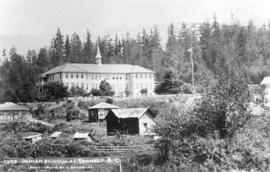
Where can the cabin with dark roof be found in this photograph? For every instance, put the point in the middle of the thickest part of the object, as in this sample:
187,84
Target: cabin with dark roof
130,121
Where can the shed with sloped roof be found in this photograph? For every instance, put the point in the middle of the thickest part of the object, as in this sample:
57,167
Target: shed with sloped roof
82,136
32,136
130,121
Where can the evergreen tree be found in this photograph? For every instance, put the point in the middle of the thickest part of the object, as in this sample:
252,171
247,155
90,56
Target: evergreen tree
88,51
42,60
76,48
57,49
68,52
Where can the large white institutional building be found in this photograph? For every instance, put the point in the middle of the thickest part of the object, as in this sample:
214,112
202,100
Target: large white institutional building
123,78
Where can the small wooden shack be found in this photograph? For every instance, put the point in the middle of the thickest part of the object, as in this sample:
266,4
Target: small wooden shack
32,137
11,112
98,112
55,135
130,121
82,136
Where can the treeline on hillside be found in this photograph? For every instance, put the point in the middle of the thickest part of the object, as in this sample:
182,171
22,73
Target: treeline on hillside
240,49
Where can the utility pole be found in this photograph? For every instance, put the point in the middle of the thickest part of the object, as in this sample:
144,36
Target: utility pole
192,68
42,84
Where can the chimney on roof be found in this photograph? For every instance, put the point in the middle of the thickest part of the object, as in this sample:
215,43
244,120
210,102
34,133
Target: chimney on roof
98,55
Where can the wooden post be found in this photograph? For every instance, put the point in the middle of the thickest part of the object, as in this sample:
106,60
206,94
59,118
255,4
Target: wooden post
120,166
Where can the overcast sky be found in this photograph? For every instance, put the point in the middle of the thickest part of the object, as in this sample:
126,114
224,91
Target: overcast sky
100,16
44,16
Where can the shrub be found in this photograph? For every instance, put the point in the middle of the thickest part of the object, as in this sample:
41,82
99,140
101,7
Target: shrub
186,88
27,127
144,91
250,146
55,91
82,105
204,136
96,92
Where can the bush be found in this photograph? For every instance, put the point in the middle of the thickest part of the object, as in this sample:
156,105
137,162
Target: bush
250,145
27,127
204,136
186,88
82,105
96,92
54,91
144,91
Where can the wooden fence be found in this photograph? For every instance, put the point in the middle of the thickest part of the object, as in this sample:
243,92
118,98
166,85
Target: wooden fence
130,148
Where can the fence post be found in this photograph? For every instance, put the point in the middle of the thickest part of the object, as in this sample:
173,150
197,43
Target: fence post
120,166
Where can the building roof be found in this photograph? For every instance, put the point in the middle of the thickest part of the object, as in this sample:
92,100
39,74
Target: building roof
56,134
93,68
130,112
81,135
29,135
103,105
9,106
265,81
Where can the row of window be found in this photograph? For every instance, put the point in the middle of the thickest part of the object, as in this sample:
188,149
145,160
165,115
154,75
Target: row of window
96,76
144,75
117,86
8,117
144,85
99,76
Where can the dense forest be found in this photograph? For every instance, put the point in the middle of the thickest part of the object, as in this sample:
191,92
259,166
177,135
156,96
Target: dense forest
235,48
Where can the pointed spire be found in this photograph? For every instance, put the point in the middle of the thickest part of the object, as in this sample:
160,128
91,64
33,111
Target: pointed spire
98,51
98,55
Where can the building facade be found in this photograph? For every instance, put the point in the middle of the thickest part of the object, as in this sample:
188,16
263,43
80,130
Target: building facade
266,91
125,79
11,112
98,112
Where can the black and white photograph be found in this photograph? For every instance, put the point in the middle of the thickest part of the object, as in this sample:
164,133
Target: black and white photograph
134,85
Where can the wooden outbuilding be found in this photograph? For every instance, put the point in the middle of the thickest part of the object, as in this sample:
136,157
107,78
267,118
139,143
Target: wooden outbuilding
98,112
130,121
11,112
32,137
55,135
82,136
